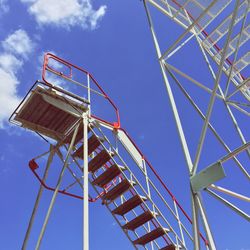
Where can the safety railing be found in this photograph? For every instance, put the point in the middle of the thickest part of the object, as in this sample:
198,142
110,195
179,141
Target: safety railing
151,185
64,72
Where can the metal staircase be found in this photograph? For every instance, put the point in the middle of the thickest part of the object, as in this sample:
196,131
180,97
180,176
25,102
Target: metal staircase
146,219
128,200
129,187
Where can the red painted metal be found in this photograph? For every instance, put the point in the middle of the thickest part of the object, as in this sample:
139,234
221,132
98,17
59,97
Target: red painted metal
156,233
70,65
107,176
115,125
163,184
158,177
128,205
138,221
33,166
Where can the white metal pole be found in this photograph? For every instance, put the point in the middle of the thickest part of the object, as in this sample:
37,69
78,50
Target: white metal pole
53,199
195,217
170,94
85,184
212,98
45,175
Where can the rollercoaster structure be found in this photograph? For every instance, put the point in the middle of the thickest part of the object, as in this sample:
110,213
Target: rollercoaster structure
83,129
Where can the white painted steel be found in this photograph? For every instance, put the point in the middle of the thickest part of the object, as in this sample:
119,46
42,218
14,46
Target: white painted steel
85,184
130,148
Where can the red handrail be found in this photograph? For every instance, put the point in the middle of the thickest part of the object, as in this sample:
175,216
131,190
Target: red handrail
47,56
33,166
157,176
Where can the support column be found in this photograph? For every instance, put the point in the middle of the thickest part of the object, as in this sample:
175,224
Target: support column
195,217
56,189
85,184
206,225
38,198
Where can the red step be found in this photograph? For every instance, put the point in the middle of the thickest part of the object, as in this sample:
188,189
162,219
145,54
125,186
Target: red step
107,176
156,233
93,144
169,247
138,221
118,190
128,205
99,160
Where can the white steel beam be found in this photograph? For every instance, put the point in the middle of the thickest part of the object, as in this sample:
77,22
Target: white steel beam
212,99
187,30
229,192
56,189
39,195
85,184
170,94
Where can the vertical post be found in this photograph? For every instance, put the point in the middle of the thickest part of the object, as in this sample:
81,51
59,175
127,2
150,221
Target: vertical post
170,93
149,194
89,93
205,222
52,202
195,217
38,198
178,125
85,184
180,226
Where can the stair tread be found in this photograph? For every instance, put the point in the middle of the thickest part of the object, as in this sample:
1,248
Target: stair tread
146,238
107,176
118,190
169,247
139,221
128,205
93,143
99,160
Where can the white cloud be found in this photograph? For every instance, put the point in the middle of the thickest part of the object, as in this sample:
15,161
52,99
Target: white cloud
18,43
10,63
15,49
66,13
3,6
8,95
96,16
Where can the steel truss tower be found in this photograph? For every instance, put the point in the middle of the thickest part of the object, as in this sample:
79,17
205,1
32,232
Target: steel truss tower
82,127
220,31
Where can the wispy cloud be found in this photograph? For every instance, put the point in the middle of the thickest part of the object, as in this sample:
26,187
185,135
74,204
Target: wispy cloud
3,6
142,137
9,63
18,43
66,13
8,95
15,49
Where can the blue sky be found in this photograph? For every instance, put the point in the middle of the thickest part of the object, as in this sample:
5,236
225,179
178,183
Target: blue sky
111,39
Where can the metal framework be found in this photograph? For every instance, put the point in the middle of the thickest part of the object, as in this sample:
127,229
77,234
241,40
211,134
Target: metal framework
95,151
227,23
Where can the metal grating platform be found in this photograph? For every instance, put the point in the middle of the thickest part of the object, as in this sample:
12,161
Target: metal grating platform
48,112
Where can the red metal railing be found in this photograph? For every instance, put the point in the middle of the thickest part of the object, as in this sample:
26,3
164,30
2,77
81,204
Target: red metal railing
70,66
33,166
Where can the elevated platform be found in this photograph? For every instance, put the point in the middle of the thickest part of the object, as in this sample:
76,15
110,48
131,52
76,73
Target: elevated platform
49,112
